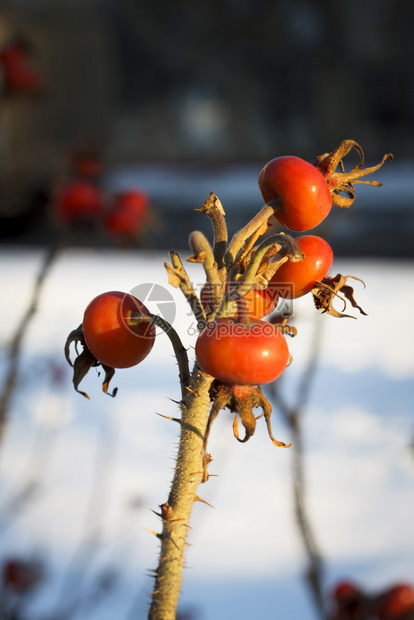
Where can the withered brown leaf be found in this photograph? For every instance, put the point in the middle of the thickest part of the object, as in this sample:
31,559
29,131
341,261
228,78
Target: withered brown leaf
324,293
84,362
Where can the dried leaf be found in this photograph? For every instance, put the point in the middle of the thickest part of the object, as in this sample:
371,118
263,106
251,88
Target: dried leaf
175,277
272,267
197,258
325,292
212,202
75,336
109,373
84,362
341,184
290,330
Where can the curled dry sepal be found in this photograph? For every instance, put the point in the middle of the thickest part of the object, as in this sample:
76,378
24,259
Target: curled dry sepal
325,292
84,362
342,182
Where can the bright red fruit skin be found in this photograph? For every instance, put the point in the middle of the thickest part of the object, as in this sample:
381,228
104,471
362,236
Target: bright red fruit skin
397,602
79,199
128,213
107,334
298,191
293,280
238,354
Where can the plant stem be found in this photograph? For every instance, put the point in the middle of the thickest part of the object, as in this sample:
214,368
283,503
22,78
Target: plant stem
213,209
177,510
179,350
248,230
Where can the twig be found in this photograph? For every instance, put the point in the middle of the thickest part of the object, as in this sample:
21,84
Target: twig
293,417
179,350
16,343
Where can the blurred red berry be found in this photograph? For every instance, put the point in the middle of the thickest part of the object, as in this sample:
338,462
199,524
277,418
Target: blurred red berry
86,163
79,200
344,590
18,74
396,602
128,213
21,576
350,602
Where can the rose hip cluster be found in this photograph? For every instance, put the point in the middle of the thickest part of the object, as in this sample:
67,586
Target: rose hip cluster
80,201
245,278
350,602
301,195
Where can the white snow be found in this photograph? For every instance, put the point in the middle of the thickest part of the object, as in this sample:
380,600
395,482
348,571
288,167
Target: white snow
245,554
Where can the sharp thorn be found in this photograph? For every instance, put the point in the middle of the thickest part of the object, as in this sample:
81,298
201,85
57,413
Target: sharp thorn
199,499
155,512
167,417
152,532
172,536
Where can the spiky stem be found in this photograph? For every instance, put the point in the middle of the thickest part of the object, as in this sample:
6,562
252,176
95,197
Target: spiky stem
177,510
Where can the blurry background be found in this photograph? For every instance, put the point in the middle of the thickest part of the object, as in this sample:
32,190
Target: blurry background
207,92
179,99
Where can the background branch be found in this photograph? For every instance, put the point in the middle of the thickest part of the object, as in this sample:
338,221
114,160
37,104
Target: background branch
17,340
293,415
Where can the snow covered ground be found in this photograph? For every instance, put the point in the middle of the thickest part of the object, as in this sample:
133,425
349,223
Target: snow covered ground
103,462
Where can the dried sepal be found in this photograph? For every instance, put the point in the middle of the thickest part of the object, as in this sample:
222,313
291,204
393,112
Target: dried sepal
241,400
109,373
280,243
197,258
242,259
213,209
75,336
178,278
212,202
342,182
324,293
175,276
272,266
84,362
283,328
